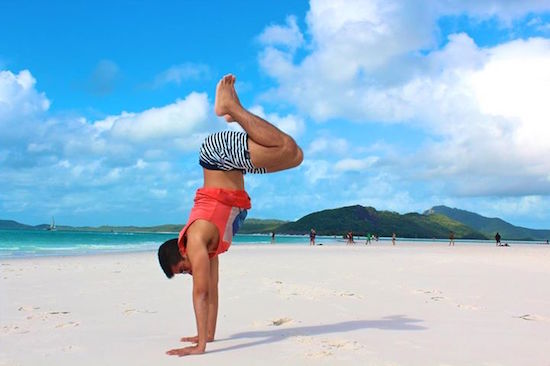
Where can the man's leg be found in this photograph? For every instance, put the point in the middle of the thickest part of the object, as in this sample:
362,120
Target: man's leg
269,147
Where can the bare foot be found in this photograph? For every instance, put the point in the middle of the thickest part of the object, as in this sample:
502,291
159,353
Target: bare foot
226,98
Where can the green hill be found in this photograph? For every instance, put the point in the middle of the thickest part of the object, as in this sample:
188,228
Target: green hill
434,223
258,226
250,226
14,225
490,226
362,220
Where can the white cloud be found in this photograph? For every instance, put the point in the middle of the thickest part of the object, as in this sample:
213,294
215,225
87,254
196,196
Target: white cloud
328,145
316,170
485,109
18,96
286,36
177,120
85,167
494,121
177,74
22,112
357,165
528,205
290,124
506,11
358,34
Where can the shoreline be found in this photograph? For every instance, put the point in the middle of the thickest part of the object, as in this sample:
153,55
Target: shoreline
85,251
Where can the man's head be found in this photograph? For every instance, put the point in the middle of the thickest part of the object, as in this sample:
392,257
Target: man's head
170,259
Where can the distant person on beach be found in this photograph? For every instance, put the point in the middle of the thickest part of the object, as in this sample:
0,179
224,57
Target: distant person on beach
350,238
452,238
497,239
368,239
273,237
222,203
393,239
312,234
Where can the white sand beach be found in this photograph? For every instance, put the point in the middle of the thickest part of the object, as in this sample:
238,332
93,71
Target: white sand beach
412,304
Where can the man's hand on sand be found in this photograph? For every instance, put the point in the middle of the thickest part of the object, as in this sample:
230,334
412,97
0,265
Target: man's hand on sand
180,352
226,98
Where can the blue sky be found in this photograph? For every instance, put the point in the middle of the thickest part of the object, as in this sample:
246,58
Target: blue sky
103,105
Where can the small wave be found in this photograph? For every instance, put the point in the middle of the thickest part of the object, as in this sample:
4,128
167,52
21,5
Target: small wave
117,246
79,244
55,248
9,248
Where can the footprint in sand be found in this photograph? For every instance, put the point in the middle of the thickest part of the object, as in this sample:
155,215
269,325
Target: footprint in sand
435,295
351,295
533,317
28,308
9,329
70,348
135,311
68,324
429,292
468,307
316,293
328,347
281,321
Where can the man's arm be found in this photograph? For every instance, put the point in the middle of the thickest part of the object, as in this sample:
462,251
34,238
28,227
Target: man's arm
213,299
197,242
201,289
212,304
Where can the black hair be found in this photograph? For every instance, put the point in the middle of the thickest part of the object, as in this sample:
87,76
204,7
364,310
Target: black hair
169,255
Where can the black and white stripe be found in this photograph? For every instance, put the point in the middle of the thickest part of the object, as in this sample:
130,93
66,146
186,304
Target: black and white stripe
227,150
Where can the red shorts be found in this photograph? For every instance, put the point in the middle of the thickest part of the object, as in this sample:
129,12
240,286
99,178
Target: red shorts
224,208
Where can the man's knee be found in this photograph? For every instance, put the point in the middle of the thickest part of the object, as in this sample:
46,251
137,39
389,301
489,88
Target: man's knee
292,152
285,155
298,156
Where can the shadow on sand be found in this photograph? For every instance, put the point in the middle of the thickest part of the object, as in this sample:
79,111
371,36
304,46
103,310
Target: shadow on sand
394,322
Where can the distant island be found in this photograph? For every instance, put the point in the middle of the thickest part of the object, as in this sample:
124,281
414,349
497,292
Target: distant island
489,226
436,222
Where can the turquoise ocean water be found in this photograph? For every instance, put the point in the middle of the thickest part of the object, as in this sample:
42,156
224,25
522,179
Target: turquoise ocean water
41,243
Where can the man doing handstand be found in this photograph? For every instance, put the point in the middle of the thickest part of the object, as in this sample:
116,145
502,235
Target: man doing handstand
221,204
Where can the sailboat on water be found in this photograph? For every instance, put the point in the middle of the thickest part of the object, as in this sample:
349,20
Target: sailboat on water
52,225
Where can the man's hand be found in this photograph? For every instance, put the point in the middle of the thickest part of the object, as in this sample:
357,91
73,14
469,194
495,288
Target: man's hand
195,339
180,352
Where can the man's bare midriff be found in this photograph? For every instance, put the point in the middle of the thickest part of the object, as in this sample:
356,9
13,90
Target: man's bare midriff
232,179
